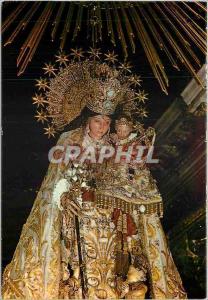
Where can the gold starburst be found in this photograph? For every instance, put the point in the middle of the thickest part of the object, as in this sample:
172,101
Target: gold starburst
50,131
77,53
42,84
49,69
143,113
62,58
105,22
94,53
111,57
125,67
141,96
41,116
39,100
135,80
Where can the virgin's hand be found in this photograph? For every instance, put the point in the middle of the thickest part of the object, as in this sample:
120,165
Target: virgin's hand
70,206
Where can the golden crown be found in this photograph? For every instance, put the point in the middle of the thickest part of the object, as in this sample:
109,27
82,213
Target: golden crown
124,121
86,82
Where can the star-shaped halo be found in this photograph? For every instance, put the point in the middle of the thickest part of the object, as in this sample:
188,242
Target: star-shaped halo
41,116
39,100
49,69
111,57
42,84
143,113
125,67
62,58
141,96
135,80
50,131
77,53
94,53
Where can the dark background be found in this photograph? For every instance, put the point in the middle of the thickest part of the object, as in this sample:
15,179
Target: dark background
25,147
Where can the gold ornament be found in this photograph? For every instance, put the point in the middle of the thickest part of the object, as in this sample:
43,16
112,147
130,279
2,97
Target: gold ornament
129,25
88,83
125,67
111,57
62,58
143,113
50,131
49,69
135,80
124,121
39,100
141,96
41,116
94,53
77,53
42,84
134,275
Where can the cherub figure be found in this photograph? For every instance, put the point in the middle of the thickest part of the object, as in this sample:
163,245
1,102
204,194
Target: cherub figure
130,134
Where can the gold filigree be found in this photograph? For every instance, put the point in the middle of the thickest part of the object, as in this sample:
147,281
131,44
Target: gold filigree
88,83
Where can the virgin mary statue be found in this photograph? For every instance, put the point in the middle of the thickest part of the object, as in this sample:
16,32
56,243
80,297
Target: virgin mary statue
94,230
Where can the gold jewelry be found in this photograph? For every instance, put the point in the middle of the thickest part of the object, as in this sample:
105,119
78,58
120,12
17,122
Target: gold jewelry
83,83
124,121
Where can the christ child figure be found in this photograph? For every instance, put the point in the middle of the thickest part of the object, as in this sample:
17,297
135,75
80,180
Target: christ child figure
130,134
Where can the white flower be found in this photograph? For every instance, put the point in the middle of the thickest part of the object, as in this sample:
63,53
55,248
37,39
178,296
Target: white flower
74,178
61,187
70,172
83,184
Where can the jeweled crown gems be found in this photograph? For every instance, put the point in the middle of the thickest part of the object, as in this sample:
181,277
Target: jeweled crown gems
76,81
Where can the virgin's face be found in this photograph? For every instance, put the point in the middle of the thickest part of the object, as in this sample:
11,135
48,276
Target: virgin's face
99,126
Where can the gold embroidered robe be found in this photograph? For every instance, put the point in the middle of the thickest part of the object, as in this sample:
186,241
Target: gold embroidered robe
36,269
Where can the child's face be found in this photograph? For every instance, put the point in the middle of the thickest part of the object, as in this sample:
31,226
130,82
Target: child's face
123,131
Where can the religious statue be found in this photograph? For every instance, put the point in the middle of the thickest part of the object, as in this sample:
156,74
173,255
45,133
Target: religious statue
94,230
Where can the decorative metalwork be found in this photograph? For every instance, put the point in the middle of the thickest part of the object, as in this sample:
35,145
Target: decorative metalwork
88,79
167,26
